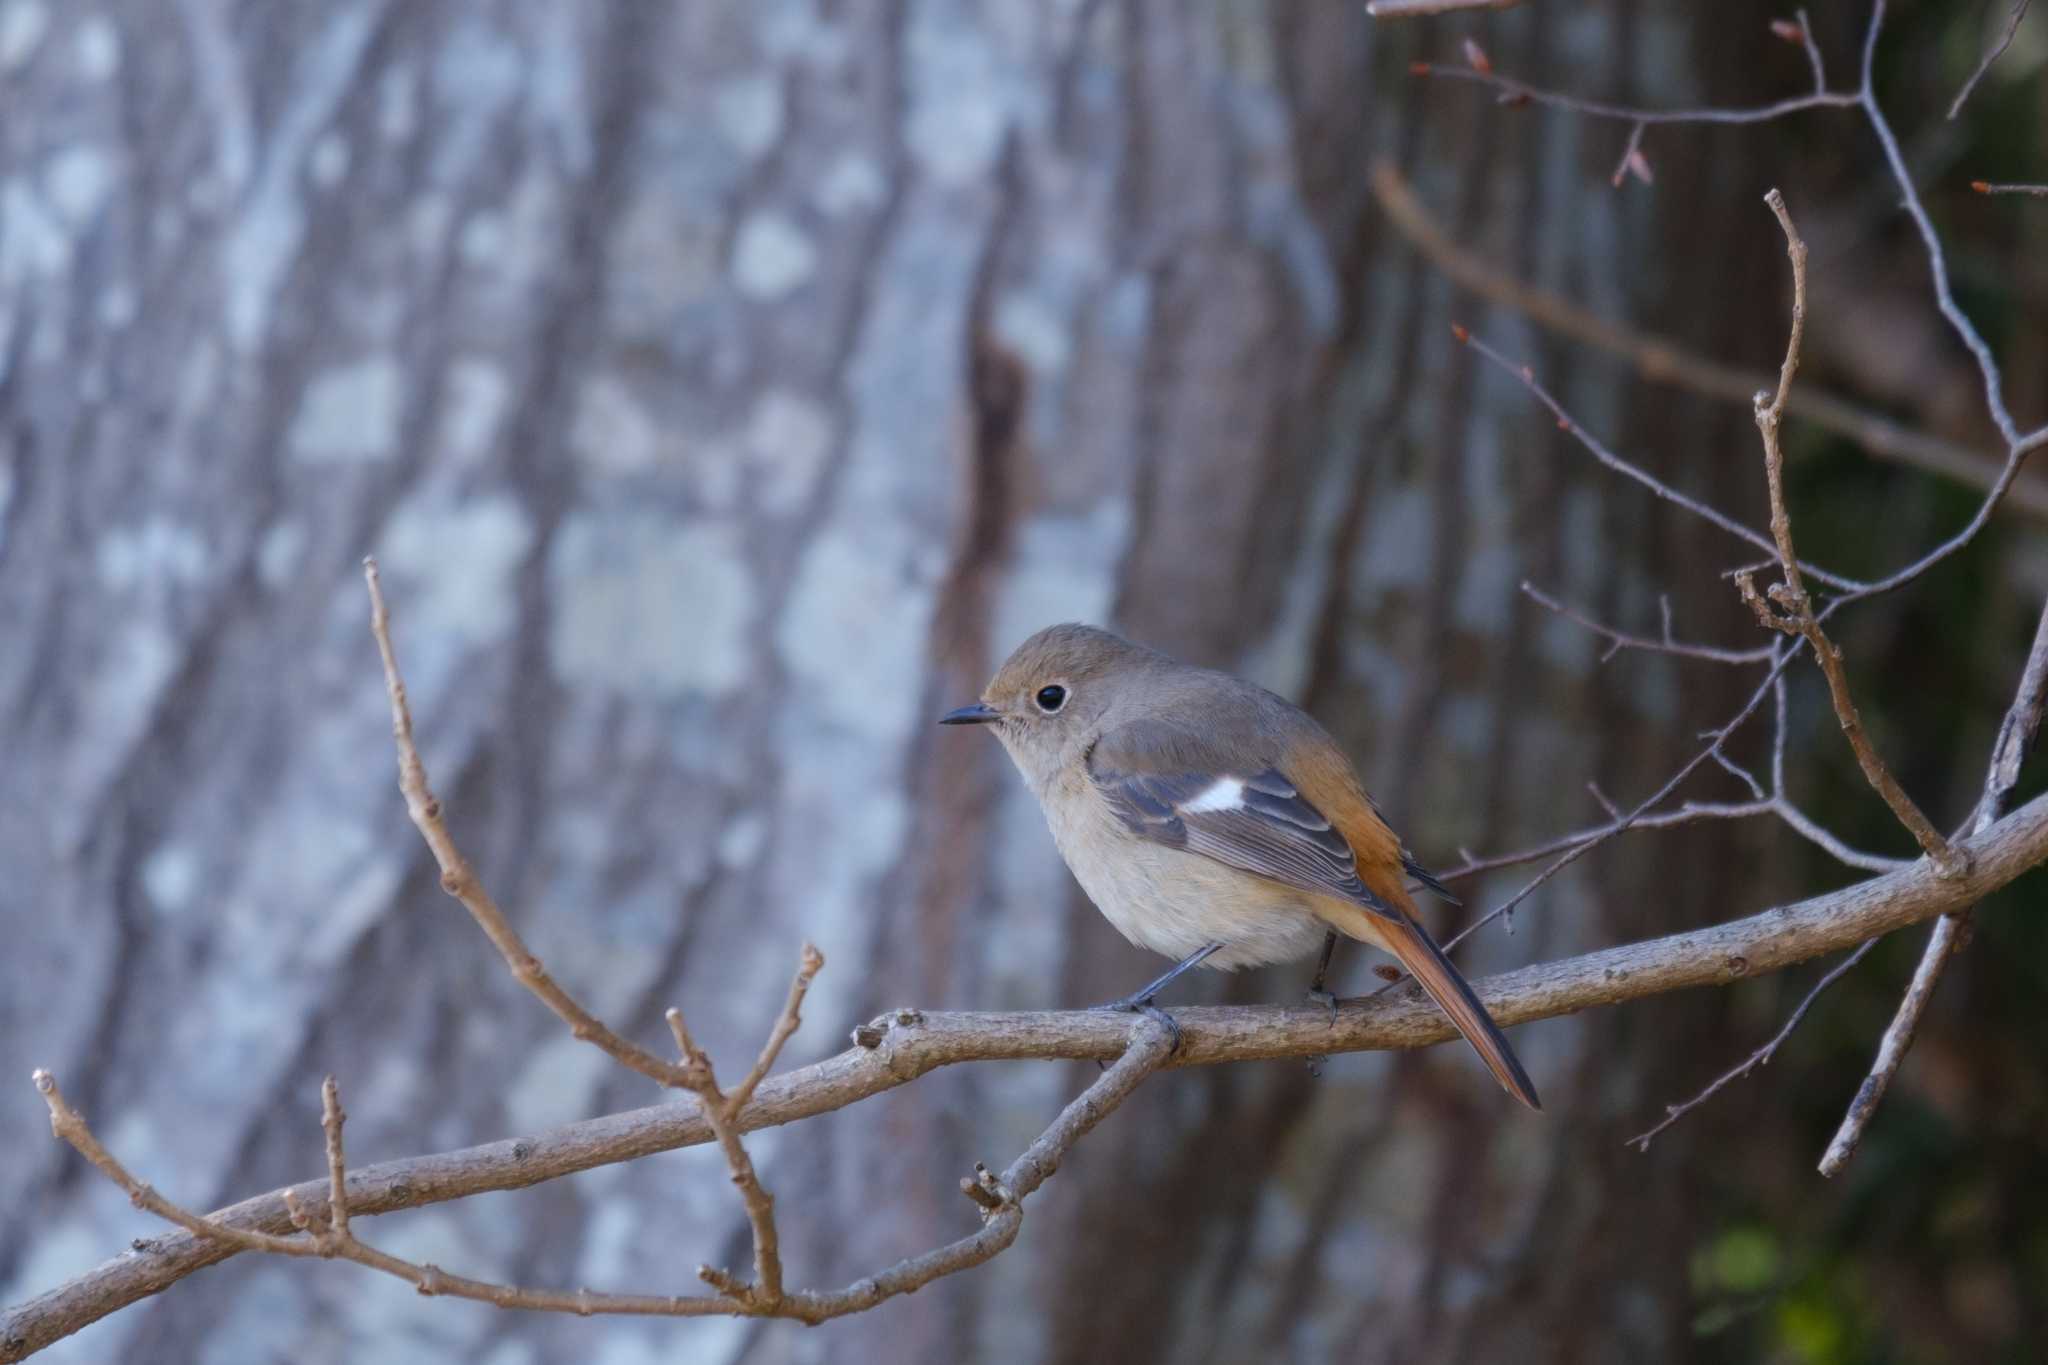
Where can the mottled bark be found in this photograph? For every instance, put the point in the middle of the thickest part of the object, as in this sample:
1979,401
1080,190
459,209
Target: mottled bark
724,388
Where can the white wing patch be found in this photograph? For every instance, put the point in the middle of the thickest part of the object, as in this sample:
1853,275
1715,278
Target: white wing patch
1226,793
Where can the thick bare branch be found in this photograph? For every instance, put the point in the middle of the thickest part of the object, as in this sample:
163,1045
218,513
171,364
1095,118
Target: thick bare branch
899,1047
1149,1046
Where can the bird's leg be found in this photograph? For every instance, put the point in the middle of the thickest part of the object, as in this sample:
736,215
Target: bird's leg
1139,999
1316,994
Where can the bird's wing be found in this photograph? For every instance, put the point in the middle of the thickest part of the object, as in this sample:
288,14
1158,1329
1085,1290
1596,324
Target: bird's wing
1174,787
1178,788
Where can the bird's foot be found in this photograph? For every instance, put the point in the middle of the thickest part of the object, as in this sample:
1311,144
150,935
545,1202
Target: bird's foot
1317,996
1141,1003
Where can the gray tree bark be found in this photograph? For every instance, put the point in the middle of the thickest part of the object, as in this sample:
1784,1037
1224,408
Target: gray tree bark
724,389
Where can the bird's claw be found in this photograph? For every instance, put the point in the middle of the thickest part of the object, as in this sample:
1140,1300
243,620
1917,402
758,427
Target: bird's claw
1142,1004
1325,999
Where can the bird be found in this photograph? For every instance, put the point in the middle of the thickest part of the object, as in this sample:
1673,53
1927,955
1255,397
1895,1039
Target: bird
1213,821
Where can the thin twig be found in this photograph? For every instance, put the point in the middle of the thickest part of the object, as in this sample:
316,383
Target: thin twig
722,1113
459,879
1787,606
1995,187
1514,91
1813,57
1992,54
1572,854
1621,639
1662,361
1691,812
1674,1112
2008,752
332,1116
809,963
1756,1059
1937,263
1416,9
1594,446
1631,157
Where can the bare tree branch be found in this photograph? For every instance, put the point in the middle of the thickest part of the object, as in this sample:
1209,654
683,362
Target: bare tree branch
1619,640
765,1293
1662,361
1813,57
1571,855
2015,736
459,879
1416,9
2018,444
1991,54
1526,376
1674,1112
1787,606
1151,1042
1993,187
899,1047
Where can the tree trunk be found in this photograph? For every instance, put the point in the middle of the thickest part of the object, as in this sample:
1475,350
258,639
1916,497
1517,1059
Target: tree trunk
725,388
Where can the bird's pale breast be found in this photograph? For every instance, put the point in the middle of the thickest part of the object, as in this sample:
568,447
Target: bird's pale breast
1169,900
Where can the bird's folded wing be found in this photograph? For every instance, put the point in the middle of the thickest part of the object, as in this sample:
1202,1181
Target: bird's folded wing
1169,786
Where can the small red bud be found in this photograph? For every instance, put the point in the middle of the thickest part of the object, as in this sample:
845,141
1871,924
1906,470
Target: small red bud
1788,30
1981,186
1418,68
1464,337
1475,55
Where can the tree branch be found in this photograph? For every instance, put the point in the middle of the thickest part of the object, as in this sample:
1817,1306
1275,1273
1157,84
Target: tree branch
2018,444
1662,361
459,879
1787,606
899,1047
1993,187
1992,54
1416,9
2008,752
1762,1056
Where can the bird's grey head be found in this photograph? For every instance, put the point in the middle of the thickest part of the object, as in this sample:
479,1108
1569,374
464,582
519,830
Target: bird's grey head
1049,701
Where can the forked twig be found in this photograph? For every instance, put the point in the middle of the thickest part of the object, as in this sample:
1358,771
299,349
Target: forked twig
1787,606
2016,734
459,879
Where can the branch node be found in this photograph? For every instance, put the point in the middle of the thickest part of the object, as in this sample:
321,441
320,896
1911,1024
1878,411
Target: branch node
984,1189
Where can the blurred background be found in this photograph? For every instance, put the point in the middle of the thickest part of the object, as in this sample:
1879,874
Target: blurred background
725,388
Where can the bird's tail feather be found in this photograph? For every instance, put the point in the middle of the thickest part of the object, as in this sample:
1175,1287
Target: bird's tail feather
1418,952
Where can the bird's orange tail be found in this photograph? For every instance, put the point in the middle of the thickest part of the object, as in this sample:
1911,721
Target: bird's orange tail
1410,942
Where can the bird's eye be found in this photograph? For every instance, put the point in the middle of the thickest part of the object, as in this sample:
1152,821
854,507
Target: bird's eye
1051,698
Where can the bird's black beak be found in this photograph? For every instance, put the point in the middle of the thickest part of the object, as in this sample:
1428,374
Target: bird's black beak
981,713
